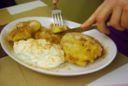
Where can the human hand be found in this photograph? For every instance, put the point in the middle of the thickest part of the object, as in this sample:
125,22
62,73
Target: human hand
55,1
113,11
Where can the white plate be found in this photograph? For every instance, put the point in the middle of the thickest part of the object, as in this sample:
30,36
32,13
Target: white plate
67,69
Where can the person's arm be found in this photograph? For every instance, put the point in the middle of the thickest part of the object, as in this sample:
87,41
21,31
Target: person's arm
113,11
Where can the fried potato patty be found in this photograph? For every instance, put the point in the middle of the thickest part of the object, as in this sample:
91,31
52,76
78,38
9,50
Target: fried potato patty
80,49
23,30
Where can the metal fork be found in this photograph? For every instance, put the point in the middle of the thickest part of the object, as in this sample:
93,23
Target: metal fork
57,16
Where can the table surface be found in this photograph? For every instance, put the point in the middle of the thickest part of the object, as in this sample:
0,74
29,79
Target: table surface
13,74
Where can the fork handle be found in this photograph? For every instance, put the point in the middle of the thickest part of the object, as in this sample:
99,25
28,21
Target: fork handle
77,29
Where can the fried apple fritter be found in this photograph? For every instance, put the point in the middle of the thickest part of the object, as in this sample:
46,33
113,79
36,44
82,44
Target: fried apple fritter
19,34
32,25
80,49
46,34
57,28
24,30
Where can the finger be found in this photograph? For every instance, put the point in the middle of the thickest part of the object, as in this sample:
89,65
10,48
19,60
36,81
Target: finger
92,19
103,17
124,17
55,1
101,26
116,18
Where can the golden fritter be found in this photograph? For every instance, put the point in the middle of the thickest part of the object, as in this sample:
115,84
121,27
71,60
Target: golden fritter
57,28
80,49
32,25
18,34
24,30
44,33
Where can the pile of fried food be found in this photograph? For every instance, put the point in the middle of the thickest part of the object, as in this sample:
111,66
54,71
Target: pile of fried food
35,41
31,29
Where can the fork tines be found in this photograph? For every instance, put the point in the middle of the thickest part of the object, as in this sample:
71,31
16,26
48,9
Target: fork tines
57,17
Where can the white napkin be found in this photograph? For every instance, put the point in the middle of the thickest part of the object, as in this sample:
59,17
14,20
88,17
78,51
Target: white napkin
25,7
118,77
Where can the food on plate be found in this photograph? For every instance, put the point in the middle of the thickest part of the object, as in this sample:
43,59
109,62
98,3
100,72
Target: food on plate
39,53
32,29
57,28
18,34
24,30
36,45
80,49
40,47
34,26
46,34
31,25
